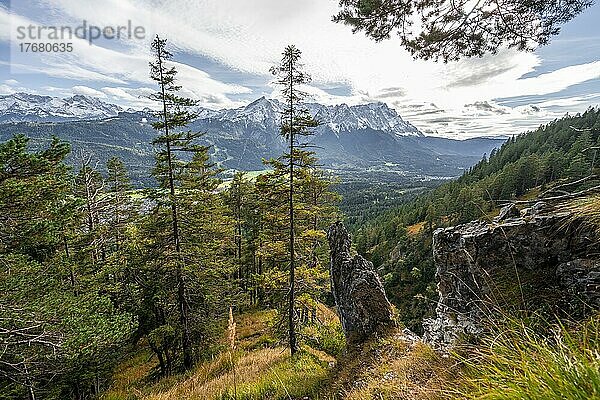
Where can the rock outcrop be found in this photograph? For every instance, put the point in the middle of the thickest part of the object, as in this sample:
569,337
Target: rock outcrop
536,260
509,211
359,295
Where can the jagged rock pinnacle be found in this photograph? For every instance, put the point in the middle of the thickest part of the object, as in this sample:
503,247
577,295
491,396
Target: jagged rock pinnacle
359,295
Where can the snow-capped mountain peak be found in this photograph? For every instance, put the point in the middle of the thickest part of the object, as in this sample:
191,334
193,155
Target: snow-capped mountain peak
260,110
262,114
24,107
266,113
377,116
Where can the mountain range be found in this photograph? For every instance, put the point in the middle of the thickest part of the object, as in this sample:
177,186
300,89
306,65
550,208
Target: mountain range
24,107
361,139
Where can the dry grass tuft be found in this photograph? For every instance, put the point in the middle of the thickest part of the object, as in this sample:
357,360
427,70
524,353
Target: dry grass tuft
210,381
522,362
130,377
585,210
261,370
391,368
253,329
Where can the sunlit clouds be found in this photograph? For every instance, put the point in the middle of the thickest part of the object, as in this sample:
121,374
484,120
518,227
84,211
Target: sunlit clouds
225,48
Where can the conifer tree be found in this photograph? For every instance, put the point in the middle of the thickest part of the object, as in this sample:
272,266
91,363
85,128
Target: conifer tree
296,122
57,342
314,210
173,117
450,30
120,204
238,198
121,215
90,188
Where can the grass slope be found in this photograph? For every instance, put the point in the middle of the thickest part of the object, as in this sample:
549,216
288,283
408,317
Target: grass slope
518,360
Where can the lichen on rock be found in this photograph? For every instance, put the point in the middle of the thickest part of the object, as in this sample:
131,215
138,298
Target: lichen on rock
541,260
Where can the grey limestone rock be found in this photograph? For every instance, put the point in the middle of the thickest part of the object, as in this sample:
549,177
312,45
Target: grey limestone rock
539,262
508,211
359,295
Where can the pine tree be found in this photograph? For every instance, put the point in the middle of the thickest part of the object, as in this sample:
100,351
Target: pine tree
579,167
120,222
239,200
257,230
314,210
57,342
296,122
172,118
90,187
207,247
35,201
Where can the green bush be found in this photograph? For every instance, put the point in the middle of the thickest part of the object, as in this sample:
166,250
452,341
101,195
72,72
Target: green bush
325,337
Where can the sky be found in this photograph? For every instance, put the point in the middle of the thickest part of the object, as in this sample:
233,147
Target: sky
223,50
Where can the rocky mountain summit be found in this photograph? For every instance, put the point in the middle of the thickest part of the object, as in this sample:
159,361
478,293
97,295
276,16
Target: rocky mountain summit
266,113
363,141
262,113
25,107
538,258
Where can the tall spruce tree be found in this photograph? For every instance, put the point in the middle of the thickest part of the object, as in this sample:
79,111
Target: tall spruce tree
173,117
121,215
238,199
314,210
296,122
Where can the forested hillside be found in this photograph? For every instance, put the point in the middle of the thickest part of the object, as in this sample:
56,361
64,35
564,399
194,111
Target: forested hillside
129,269
239,139
92,269
399,241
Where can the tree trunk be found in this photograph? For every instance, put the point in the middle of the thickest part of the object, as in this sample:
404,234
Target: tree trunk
260,290
181,292
292,327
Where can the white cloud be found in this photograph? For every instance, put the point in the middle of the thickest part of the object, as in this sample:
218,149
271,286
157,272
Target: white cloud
122,67
5,89
135,98
244,38
56,91
87,91
11,86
